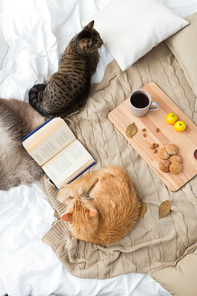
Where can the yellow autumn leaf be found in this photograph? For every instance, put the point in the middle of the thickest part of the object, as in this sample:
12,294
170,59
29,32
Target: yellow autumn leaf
143,209
131,130
164,209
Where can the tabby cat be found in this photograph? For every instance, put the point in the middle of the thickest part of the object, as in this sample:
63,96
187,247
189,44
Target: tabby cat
17,119
109,213
67,90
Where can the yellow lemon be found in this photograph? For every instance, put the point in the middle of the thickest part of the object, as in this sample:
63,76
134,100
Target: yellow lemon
180,126
171,118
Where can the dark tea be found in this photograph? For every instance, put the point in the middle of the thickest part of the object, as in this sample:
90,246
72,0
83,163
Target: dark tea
195,154
139,100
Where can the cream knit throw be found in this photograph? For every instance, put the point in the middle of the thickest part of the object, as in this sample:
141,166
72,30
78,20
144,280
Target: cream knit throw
153,242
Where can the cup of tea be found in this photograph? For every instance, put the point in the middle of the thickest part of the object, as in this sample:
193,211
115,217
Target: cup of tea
140,103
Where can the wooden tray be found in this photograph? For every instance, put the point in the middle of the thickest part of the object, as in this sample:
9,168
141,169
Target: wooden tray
186,141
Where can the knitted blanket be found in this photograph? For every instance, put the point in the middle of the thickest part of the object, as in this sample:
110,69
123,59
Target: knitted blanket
153,243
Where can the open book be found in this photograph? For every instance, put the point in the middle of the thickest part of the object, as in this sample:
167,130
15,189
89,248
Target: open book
55,148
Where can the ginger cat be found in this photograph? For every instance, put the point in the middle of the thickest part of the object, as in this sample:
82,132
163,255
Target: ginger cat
109,213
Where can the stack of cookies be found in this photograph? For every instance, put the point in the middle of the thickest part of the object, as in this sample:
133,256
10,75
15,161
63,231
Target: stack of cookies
171,161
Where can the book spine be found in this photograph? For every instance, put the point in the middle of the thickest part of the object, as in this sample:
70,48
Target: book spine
83,171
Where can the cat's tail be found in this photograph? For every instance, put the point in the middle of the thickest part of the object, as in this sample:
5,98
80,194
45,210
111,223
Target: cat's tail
35,99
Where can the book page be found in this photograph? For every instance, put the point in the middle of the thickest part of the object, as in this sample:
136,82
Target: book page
49,143
41,132
77,173
71,159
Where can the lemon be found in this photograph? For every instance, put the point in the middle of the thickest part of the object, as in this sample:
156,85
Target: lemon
180,126
171,118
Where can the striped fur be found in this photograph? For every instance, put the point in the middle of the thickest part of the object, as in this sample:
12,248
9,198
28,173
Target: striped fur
67,90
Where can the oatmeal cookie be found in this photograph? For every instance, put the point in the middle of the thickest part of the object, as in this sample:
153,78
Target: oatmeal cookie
163,154
172,149
165,165
176,168
176,158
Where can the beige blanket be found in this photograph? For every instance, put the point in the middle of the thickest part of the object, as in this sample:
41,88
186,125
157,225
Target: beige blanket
153,243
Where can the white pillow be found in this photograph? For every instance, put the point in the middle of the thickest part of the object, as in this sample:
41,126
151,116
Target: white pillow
131,28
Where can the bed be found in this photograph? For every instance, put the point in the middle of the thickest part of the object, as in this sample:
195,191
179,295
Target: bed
33,36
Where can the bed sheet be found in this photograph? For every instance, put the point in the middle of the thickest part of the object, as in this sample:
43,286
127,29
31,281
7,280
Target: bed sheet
4,45
33,35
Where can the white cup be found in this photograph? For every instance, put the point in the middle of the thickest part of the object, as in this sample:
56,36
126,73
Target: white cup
140,103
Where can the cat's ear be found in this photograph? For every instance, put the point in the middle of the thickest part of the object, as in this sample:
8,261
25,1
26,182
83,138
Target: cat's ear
66,217
92,213
90,25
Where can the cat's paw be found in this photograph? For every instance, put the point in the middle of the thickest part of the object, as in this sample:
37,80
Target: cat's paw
64,194
62,197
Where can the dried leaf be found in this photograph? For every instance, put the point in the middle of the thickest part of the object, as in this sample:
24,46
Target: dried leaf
164,209
131,130
143,209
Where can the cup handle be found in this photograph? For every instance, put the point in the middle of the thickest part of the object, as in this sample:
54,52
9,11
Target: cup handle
154,108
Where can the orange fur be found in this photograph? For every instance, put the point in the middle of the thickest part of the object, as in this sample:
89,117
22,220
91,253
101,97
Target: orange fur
110,214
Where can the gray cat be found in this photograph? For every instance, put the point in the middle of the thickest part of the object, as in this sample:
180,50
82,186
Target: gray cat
67,90
17,119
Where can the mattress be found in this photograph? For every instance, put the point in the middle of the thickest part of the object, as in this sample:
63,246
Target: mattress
33,36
